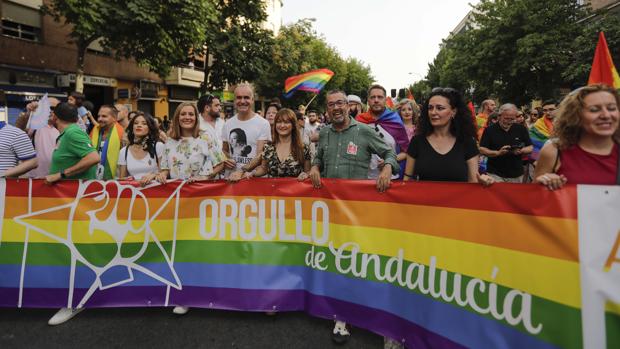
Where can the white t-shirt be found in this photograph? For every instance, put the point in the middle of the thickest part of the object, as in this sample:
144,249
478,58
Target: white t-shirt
139,168
243,136
212,134
373,169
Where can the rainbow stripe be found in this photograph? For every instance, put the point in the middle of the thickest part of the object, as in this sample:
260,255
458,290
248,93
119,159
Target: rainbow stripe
312,81
495,236
539,134
603,69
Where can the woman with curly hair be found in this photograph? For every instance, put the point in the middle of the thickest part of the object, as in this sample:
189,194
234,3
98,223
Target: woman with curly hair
444,146
140,159
585,150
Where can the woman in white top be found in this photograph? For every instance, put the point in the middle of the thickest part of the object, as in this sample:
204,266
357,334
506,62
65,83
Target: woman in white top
141,158
186,156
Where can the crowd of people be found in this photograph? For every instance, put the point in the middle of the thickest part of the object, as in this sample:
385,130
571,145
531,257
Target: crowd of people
440,140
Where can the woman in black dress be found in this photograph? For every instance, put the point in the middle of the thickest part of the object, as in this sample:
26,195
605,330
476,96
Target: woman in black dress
444,146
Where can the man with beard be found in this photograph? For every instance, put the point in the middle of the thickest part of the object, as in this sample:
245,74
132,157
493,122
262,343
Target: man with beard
387,124
542,128
211,125
344,151
107,138
123,115
355,105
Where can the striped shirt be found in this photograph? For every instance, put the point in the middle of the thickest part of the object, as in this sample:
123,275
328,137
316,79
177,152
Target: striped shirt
15,146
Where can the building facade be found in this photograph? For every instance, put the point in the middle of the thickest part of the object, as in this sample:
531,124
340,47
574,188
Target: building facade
37,58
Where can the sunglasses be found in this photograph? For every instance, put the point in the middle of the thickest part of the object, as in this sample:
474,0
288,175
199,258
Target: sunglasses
444,90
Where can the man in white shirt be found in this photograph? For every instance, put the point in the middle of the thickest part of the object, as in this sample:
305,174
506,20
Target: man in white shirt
244,135
211,125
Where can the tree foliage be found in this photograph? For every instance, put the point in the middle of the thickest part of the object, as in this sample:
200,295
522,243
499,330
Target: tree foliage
298,49
87,18
239,47
156,33
515,50
585,44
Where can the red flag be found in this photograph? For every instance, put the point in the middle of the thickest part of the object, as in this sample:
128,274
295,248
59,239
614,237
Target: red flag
389,103
470,106
603,69
410,95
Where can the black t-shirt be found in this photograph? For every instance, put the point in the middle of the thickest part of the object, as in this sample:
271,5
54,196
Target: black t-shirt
432,166
495,137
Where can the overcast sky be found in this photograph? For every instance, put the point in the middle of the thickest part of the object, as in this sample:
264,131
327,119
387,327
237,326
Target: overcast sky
396,38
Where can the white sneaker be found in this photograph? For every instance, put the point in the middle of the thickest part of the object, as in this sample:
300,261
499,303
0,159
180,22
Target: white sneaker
340,334
63,315
179,310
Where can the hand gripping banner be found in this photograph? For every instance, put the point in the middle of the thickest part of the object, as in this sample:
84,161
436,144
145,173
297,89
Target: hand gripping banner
433,265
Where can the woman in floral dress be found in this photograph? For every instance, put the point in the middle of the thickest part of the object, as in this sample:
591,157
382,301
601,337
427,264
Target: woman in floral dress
187,156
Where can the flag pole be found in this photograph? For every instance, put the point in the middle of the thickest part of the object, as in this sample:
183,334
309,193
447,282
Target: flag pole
311,101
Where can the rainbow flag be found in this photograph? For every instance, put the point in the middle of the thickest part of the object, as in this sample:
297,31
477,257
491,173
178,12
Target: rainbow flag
603,68
539,134
312,81
418,263
110,148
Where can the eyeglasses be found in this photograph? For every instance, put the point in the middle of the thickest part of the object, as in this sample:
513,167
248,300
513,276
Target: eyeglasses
444,90
549,110
338,104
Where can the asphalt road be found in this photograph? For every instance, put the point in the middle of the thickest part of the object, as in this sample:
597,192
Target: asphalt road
159,328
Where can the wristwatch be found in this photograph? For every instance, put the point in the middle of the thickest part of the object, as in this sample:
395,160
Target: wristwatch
62,174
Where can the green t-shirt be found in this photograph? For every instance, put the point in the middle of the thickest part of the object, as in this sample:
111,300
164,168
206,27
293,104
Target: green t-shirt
72,145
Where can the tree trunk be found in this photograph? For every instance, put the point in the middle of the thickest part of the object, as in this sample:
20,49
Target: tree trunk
204,87
79,76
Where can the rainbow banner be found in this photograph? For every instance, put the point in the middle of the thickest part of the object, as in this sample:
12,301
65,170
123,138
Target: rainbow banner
433,265
312,81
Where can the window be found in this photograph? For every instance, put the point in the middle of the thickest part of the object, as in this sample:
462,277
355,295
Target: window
21,22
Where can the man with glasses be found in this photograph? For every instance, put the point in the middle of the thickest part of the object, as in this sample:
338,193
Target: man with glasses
344,151
388,125
543,127
505,143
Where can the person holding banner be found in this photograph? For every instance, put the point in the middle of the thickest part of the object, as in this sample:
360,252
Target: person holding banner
141,158
73,158
107,136
186,155
287,156
17,155
444,147
586,150
344,151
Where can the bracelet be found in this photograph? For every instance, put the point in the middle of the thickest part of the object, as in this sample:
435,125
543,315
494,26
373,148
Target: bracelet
408,175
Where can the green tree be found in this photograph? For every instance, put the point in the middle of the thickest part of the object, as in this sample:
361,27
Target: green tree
156,33
421,90
516,50
86,18
236,43
584,45
298,49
